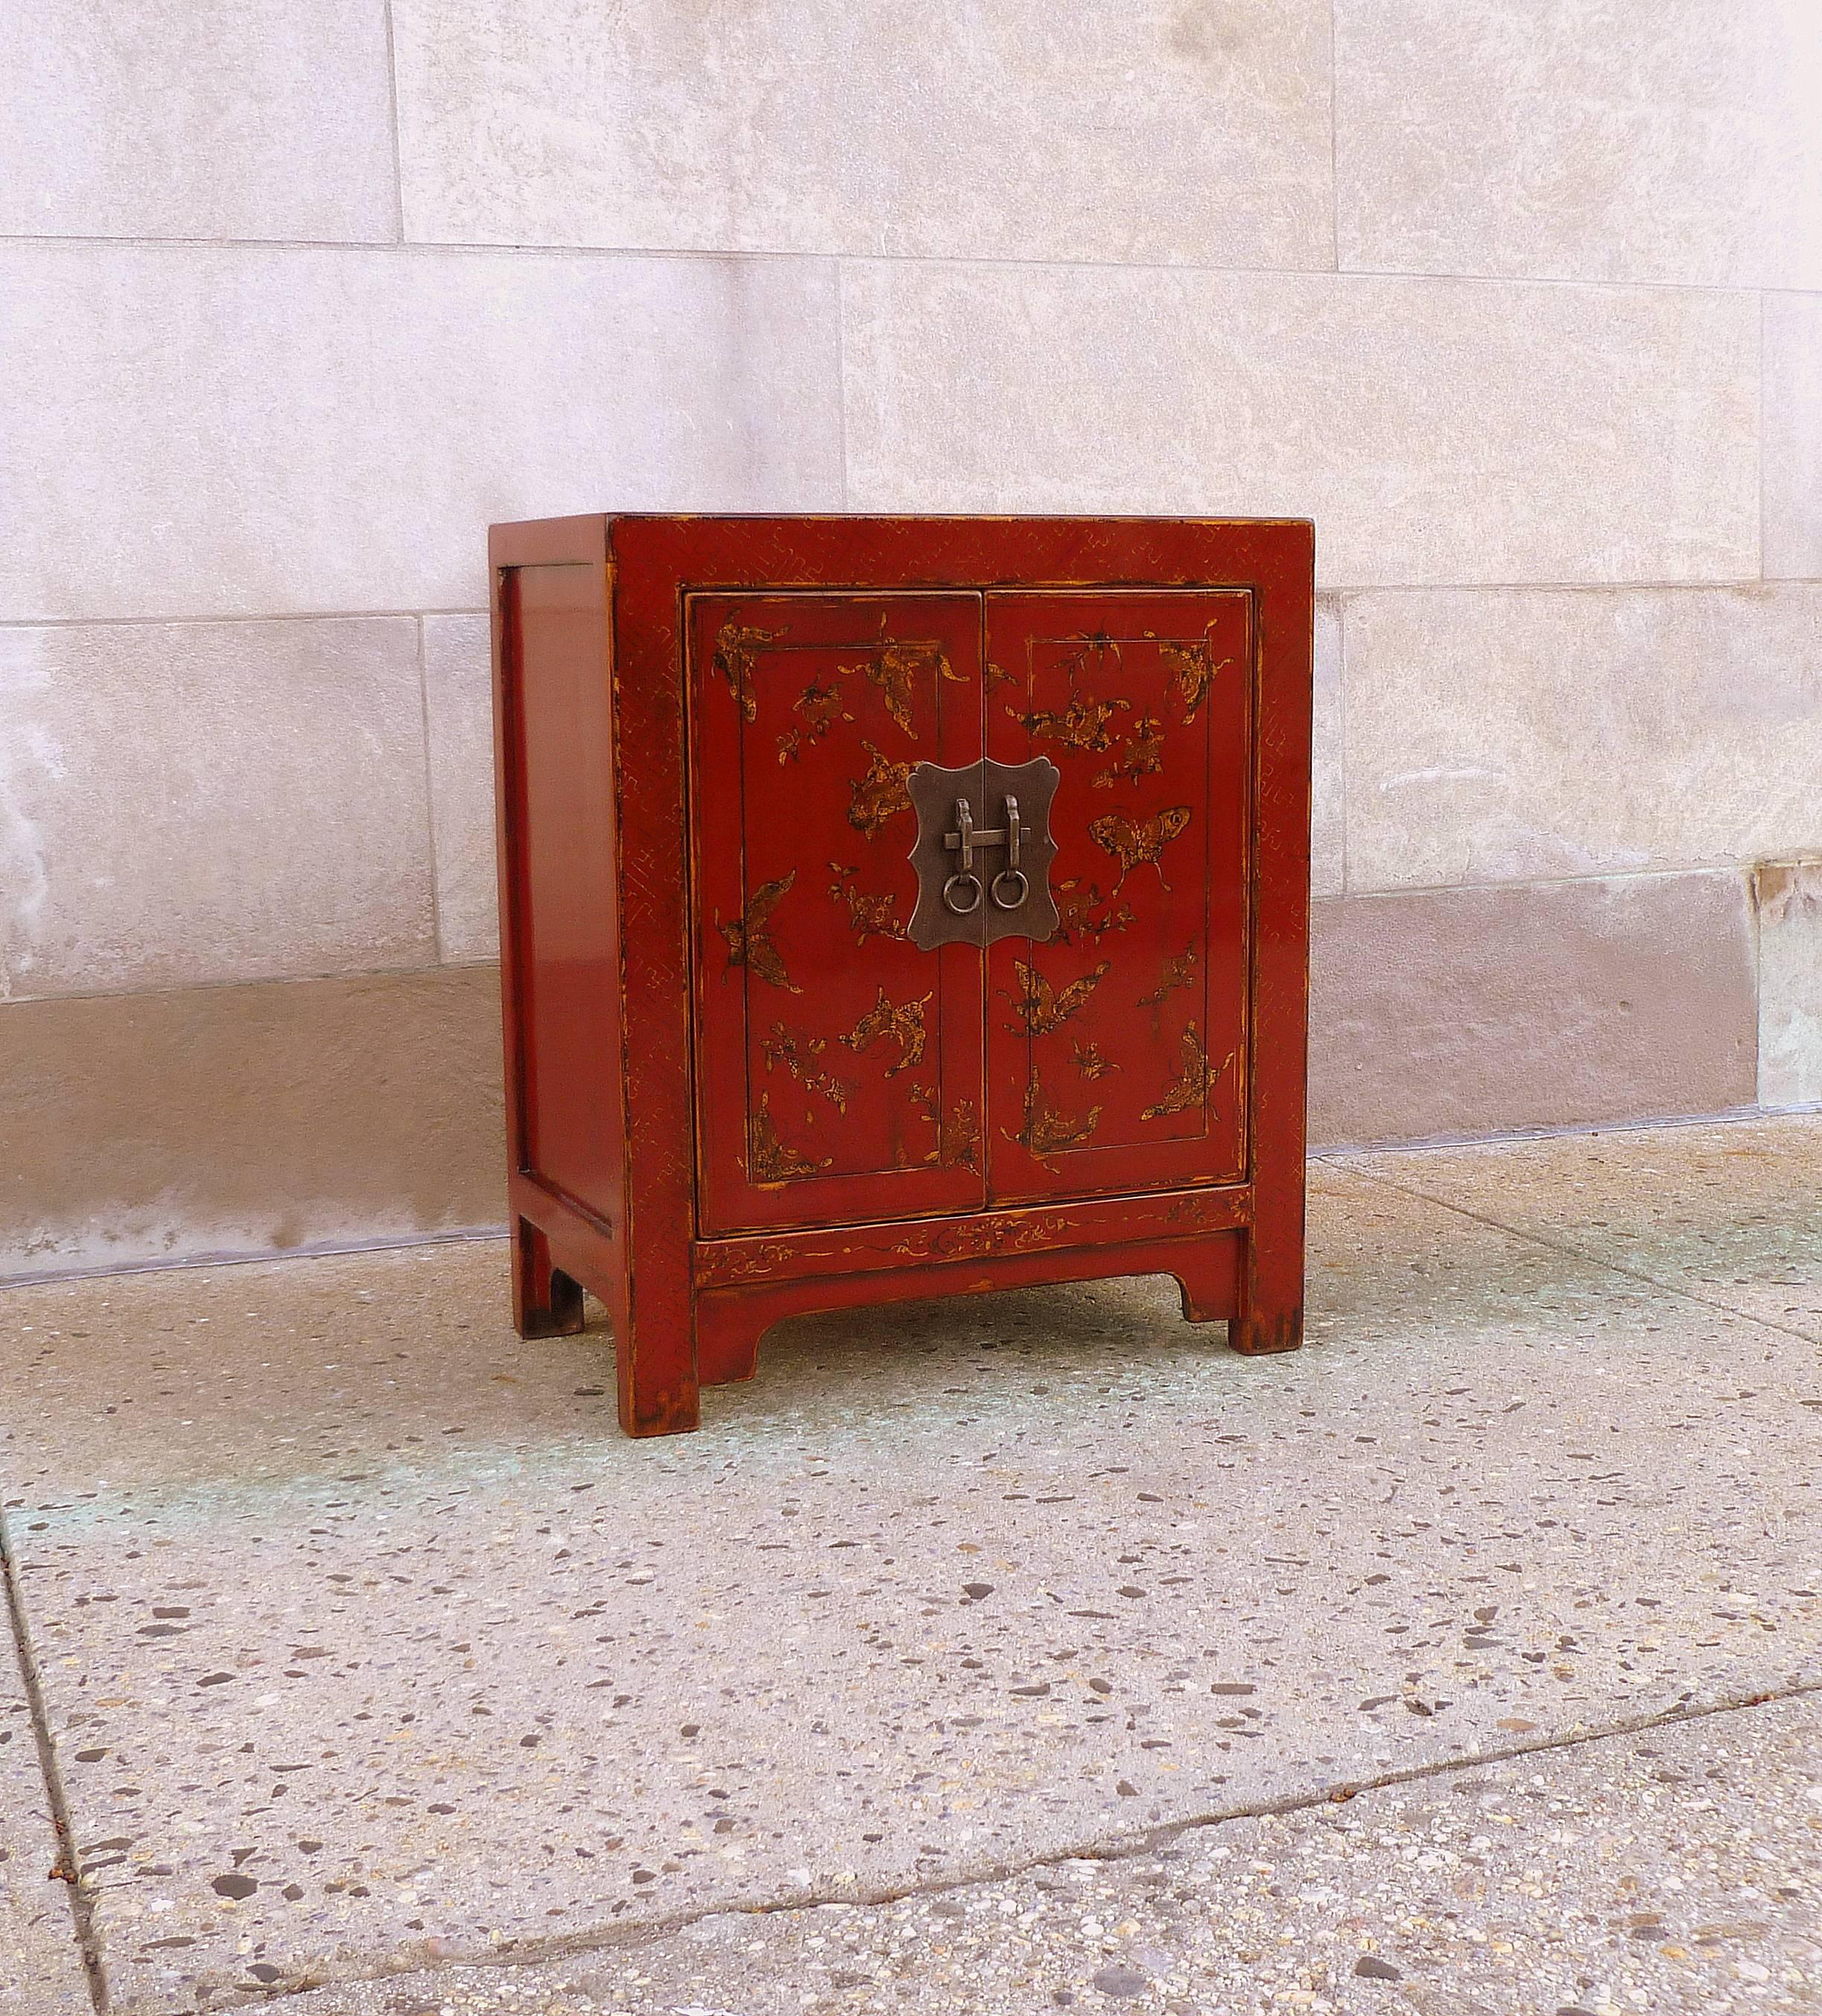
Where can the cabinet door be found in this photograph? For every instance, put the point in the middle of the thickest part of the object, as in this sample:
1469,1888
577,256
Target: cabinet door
839,1068
1117,1048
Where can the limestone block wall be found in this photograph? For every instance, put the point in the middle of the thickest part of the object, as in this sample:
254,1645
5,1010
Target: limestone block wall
1522,304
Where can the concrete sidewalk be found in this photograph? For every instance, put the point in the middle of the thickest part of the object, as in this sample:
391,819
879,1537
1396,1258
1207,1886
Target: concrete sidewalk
1026,1653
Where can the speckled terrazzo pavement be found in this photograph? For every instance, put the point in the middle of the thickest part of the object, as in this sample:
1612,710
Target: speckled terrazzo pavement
368,1645
1677,1870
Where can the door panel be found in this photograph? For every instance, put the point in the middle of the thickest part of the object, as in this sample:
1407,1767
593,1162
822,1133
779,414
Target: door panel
840,1072
1116,1049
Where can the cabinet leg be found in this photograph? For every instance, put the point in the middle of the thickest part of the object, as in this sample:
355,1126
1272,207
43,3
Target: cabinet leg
546,1301
655,1338
1262,1330
1270,1317
658,1391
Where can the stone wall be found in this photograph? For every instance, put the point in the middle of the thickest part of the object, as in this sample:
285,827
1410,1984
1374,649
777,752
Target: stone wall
1523,304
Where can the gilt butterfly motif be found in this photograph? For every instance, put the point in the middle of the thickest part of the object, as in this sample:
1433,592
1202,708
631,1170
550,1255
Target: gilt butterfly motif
898,669
903,1024
749,937
1042,1007
1193,668
1139,843
1198,1078
1046,1129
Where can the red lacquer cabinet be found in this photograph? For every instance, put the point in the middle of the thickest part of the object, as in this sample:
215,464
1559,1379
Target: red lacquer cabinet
897,907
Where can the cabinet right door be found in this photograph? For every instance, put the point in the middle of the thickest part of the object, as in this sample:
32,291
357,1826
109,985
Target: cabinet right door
1116,1049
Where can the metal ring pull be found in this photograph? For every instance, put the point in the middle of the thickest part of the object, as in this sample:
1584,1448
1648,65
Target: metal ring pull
1011,873
953,901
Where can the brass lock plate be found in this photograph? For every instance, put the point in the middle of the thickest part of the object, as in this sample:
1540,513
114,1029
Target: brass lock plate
983,852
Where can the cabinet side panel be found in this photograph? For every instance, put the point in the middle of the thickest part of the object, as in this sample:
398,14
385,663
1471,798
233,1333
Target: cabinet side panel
558,914
1273,1289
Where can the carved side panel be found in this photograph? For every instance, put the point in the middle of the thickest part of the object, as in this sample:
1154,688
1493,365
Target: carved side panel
1117,1048
839,1066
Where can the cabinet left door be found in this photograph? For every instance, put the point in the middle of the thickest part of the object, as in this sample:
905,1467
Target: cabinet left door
838,1067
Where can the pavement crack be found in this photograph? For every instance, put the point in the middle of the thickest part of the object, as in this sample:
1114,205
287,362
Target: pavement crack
1569,1250
1126,1848
68,1868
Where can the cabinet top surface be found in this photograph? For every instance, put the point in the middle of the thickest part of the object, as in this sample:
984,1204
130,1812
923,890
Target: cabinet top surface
743,549
910,518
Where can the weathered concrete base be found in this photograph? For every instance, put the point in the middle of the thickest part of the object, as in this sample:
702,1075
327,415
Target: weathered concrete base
207,1122
216,1120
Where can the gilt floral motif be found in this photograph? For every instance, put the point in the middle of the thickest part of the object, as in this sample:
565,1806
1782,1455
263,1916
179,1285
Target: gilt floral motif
1178,972
736,651
771,1159
1091,1060
975,1238
798,1053
821,708
1140,755
961,1139
1083,724
1077,902
1093,656
880,795
872,916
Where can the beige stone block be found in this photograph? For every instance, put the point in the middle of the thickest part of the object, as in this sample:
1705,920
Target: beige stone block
1153,130
458,698
1793,437
144,1128
1437,431
208,431
210,801
1328,810
1674,142
214,119
1451,1012
1499,736
1788,897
